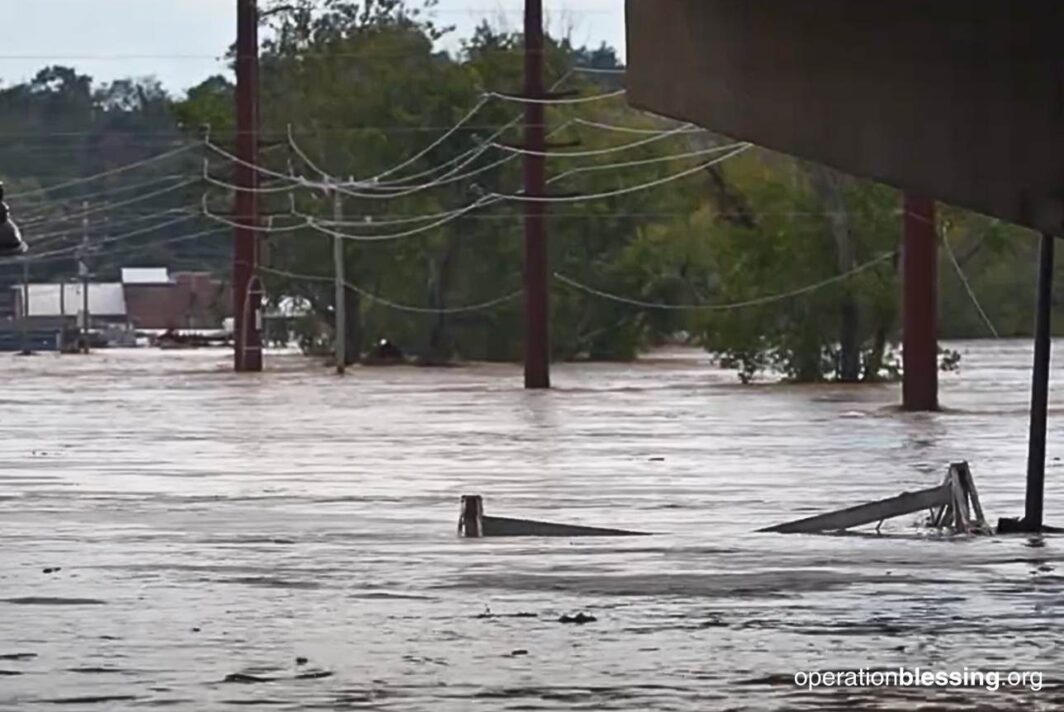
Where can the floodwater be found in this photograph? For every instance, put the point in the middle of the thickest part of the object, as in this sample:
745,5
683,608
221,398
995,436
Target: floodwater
204,533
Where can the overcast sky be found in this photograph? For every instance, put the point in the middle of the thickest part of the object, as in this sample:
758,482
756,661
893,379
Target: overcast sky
179,41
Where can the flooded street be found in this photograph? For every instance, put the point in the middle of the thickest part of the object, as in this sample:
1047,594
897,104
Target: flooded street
210,527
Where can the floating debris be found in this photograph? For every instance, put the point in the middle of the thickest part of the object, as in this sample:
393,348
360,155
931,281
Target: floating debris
713,622
314,675
487,614
92,699
244,678
52,601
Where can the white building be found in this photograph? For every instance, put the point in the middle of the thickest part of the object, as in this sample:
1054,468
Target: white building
107,301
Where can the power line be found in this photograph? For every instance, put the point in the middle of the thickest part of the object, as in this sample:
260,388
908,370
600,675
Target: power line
268,190
472,154
118,238
42,240
559,100
685,128
649,161
55,257
968,288
205,211
452,178
39,208
374,180
621,191
759,301
113,206
446,217
106,174
591,152
483,306
596,70
424,152
446,179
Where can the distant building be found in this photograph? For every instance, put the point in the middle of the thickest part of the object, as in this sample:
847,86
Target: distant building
145,275
187,300
54,303
146,298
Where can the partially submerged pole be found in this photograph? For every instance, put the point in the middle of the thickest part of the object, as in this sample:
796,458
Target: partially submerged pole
1036,449
248,338
61,337
1033,520
537,295
920,303
83,272
340,311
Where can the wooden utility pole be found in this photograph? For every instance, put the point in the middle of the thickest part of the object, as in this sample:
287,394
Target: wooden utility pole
83,272
340,312
536,282
247,334
920,304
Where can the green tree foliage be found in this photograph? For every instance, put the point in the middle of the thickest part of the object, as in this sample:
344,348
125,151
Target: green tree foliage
805,226
364,89
60,126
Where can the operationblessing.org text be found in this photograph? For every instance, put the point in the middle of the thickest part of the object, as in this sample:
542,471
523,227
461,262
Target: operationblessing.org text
918,677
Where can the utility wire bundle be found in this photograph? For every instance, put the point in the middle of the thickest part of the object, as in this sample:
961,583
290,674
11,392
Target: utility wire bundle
43,219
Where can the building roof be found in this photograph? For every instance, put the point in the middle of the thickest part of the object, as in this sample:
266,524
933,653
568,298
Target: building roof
105,299
145,275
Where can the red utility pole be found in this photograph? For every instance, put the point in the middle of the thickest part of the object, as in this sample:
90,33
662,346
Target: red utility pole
247,336
920,303
537,295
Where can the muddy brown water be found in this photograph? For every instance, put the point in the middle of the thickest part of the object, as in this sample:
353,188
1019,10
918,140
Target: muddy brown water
204,530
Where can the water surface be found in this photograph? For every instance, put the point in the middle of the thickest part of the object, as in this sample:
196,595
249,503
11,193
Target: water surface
210,529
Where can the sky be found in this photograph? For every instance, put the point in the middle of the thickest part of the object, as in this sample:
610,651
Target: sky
181,41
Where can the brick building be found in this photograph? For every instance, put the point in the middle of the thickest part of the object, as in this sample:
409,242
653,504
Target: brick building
185,300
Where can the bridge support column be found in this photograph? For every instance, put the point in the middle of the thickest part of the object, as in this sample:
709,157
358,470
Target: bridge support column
920,304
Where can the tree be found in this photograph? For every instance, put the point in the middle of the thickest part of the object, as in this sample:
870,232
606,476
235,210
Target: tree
62,126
